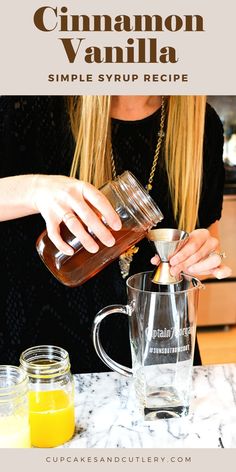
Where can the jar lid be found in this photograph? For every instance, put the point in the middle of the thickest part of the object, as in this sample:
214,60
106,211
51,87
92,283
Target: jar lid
45,361
13,382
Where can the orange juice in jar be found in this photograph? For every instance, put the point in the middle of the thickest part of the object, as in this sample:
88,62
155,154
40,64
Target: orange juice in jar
51,395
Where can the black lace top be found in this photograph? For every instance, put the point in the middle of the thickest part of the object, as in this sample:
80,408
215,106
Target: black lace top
35,308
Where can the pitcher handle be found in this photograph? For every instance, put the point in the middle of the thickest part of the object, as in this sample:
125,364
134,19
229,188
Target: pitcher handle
109,310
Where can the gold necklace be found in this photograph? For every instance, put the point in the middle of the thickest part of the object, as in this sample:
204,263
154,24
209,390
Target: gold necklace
126,258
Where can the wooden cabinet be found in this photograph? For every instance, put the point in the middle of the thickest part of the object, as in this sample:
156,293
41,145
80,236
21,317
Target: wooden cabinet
217,303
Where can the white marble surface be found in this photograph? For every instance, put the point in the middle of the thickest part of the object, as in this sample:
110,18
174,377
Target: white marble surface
107,414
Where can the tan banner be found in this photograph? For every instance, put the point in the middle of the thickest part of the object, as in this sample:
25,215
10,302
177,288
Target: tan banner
131,460
59,47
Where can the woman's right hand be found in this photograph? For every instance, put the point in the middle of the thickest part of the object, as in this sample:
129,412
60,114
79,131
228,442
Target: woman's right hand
65,199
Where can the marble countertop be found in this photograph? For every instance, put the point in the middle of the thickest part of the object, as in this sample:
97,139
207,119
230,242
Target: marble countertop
108,417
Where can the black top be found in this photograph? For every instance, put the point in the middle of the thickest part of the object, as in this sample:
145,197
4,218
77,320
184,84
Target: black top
35,308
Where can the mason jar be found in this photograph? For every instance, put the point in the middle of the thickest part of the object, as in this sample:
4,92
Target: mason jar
138,213
51,395
14,408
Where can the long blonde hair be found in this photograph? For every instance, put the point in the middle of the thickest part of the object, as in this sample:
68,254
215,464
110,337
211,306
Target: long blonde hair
90,122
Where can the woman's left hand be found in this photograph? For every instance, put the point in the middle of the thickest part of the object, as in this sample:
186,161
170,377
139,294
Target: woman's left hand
199,256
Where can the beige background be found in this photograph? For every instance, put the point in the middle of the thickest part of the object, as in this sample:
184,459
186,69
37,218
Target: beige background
174,460
28,55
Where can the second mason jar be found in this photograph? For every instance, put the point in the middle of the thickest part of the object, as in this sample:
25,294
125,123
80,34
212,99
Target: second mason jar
14,408
138,213
51,395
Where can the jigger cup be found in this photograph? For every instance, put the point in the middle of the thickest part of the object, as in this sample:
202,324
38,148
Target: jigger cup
166,242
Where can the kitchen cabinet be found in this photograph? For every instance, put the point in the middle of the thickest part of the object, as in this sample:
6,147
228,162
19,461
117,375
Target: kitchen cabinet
217,303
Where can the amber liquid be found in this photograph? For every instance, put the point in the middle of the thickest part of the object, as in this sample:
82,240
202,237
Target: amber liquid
83,265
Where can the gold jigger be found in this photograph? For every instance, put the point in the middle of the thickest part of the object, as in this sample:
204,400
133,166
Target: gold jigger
166,242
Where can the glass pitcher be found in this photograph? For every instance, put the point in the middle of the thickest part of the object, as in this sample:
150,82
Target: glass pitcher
138,213
162,327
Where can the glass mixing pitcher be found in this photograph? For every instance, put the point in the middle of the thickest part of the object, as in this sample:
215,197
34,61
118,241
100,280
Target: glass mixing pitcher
162,327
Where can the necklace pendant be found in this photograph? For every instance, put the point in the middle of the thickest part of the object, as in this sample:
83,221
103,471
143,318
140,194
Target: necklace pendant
149,187
125,260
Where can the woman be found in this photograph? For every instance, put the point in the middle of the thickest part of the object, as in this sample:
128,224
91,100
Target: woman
37,146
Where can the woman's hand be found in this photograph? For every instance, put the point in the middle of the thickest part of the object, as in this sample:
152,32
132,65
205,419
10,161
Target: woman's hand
199,256
77,204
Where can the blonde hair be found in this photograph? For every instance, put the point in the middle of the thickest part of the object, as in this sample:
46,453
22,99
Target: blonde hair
90,122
